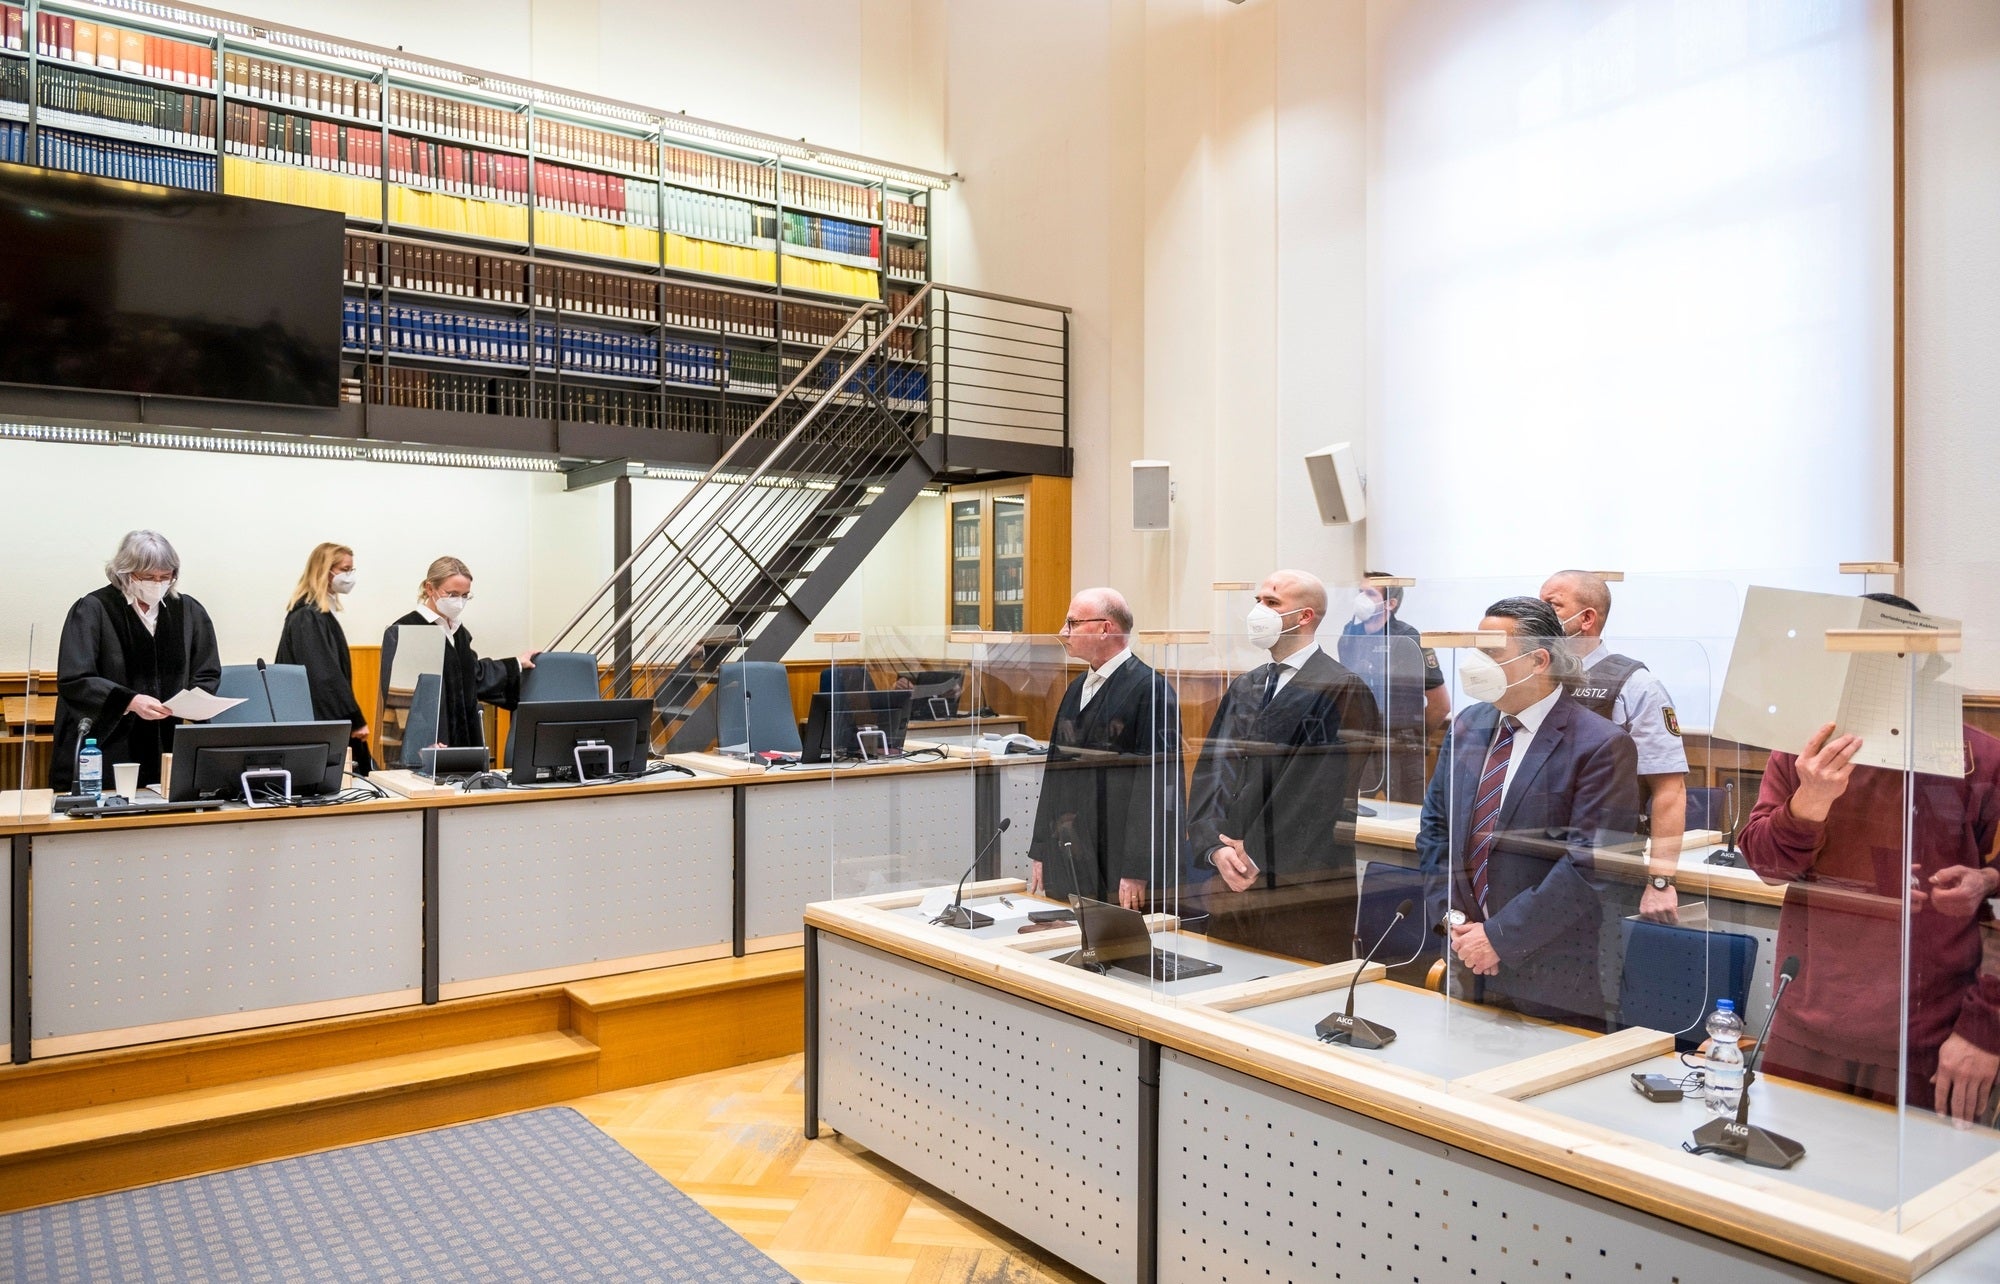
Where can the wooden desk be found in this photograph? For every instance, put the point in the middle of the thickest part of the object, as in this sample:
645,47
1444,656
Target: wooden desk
1143,1135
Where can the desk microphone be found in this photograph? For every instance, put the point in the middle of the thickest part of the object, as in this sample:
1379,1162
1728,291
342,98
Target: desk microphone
1729,855
72,800
269,703
1345,1027
1738,1136
956,914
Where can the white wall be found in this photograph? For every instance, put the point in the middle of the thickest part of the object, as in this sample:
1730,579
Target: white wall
1952,319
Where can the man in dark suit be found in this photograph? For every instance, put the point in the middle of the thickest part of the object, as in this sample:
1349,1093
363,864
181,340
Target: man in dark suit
1108,822
1528,786
1271,812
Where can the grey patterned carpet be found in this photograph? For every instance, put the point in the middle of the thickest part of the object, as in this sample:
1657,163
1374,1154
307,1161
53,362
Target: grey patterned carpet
539,1196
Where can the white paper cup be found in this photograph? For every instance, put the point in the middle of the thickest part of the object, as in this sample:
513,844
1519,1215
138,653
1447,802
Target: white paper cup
126,776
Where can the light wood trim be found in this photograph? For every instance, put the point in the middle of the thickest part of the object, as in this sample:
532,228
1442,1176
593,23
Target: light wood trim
1955,1212
405,783
581,971
972,637
1233,586
636,989
27,804
1070,937
1895,641
910,900
1451,640
779,943
1610,577
1172,637
1871,568
94,1126
223,1023
834,638
715,764
1289,985
1389,581
1561,1066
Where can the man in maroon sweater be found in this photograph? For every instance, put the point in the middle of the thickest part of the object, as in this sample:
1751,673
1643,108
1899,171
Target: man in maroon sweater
1834,831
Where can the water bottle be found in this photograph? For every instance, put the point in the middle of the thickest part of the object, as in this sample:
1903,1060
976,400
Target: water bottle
90,770
1723,1084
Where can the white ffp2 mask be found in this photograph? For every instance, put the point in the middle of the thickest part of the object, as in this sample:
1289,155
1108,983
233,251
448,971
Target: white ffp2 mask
1481,677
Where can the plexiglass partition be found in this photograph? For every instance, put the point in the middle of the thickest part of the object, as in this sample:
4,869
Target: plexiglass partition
411,710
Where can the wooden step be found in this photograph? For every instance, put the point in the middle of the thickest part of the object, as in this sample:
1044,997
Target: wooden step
41,1136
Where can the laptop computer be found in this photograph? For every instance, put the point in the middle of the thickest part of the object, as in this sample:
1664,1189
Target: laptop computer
1114,936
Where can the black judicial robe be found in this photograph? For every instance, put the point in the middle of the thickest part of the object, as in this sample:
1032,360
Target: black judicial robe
467,681
106,657
313,639
1111,792
1283,778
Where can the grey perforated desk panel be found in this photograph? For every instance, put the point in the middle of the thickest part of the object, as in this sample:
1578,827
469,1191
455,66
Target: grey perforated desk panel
1851,1145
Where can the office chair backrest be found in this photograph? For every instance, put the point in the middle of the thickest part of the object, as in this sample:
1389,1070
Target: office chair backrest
754,708
557,675
421,731
1674,975
290,694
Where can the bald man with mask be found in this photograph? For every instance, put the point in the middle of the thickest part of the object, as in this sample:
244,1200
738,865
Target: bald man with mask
1271,811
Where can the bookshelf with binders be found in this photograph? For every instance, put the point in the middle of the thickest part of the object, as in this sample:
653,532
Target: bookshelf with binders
636,246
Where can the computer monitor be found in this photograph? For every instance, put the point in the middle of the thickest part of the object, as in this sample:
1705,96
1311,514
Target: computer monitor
836,717
568,739
935,693
271,759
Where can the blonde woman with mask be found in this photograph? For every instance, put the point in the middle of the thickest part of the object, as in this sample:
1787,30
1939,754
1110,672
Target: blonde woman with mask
313,639
468,680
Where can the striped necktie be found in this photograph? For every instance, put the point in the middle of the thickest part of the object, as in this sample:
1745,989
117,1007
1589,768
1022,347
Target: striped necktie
1486,806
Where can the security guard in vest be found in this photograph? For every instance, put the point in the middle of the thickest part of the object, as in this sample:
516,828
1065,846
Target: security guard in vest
1621,688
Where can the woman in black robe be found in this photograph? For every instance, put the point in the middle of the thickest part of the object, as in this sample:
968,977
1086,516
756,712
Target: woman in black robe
126,649
468,679
312,638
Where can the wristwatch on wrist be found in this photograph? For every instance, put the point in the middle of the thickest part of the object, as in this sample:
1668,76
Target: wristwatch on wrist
1660,882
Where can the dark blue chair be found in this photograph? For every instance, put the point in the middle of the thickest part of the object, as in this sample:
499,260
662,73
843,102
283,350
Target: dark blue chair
289,695
1674,975
845,677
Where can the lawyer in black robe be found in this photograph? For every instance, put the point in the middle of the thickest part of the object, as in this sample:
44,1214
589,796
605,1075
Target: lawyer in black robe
468,680
1111,792
1281,778
313,639
106,657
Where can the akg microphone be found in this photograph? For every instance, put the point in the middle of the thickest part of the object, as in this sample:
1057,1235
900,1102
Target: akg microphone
956,914
269,703
1738,1136
73,799
1729,855
1345,1027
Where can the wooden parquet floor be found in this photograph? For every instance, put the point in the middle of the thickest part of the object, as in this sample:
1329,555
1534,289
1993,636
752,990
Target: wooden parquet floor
828,1211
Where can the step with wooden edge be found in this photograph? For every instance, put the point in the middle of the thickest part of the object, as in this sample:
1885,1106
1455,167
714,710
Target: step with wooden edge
41,1136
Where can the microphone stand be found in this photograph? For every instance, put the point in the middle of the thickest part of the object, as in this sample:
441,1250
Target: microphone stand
958,914
265,678
1730,855
1354,1031
73,800
1738,1136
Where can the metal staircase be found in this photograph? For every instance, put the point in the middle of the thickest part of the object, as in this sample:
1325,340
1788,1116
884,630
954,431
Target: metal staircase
741,564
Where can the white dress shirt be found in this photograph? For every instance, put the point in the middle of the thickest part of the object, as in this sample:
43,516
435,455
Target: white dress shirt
1288,668
1097,677
449,626
1531,719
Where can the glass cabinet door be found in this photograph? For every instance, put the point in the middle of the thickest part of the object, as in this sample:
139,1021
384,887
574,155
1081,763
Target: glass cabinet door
968,539
1010,563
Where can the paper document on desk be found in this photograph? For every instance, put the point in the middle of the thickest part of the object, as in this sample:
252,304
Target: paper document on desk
196,705
1784,685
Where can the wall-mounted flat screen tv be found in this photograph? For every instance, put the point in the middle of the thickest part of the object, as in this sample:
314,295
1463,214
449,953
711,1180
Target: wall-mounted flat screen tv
127,287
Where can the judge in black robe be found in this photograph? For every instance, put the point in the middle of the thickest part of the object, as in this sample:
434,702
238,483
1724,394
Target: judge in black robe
1280,778
1107,825
313,639
108,657
468,680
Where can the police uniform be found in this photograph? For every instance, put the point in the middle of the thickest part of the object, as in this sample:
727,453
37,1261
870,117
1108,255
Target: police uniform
1625,691
1390,662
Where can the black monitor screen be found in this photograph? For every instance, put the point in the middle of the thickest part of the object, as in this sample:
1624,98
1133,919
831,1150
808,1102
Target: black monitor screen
127,287
836,718
223,761
548,735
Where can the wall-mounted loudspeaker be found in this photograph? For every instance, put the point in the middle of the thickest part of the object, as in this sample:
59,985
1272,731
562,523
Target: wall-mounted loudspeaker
1152,495
1336,484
